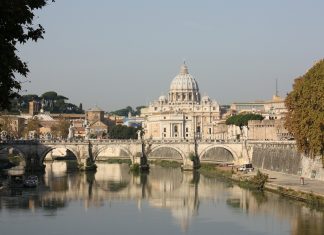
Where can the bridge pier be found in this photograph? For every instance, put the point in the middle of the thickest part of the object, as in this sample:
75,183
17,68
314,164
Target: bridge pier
87,162
33,164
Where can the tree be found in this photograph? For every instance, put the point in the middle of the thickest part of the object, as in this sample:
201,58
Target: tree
32,125
138,110
123,132
16,27
305,104
61,128
241,120
123,112
6,125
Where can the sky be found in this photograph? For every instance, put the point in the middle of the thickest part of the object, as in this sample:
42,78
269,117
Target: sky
118,53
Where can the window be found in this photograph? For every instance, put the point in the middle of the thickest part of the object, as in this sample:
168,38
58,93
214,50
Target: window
164,129
186,135
164,117
175,128
186,117
187,129
209,130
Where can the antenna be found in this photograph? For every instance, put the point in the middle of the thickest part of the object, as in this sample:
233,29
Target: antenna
277,87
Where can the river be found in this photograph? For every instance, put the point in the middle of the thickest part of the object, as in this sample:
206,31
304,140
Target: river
165,201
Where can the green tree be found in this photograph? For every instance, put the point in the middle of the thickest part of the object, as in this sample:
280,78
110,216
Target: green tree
123,132
124,112
16,27
49,95
305,104
241,120
138,110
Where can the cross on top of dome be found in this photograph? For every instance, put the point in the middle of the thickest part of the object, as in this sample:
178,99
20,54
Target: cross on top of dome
184,69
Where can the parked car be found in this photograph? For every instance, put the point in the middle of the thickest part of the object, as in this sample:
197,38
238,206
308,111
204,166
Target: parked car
246,167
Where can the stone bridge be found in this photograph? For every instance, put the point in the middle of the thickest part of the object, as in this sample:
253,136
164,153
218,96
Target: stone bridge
212,151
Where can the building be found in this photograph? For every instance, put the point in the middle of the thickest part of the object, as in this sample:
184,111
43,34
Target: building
271,109
268,130
133,121
183,114
97,122
34,107
275,108
12,125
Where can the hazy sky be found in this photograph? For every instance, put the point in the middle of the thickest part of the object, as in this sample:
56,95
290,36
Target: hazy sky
118,53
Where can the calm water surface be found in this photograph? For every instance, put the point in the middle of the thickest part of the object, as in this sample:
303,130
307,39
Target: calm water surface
166,201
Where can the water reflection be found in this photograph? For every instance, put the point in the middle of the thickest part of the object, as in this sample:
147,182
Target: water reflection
190,198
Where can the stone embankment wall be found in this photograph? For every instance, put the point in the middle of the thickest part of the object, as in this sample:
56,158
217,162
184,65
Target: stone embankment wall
284,157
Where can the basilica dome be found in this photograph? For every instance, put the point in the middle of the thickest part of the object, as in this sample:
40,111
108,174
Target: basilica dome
184,81
184,88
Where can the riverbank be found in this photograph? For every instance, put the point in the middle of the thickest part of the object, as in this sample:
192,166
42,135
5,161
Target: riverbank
309,191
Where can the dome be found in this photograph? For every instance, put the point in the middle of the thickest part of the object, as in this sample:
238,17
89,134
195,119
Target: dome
184,88
205,98
184,81
162,98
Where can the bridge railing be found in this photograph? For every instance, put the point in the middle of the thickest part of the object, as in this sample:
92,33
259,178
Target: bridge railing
136,141
97,141
170,141
20,142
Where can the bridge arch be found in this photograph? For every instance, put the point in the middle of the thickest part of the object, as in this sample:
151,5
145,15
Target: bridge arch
50,148
166,152
123,152
20,152
218,153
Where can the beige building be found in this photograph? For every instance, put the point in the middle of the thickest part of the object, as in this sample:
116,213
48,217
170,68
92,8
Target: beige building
12,125
183,113
271,109
268,130
97,122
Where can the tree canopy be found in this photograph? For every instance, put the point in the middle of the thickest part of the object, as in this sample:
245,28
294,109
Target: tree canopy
51,101
124,112
61,128
123,132
305,104
16,27
32,125
243,119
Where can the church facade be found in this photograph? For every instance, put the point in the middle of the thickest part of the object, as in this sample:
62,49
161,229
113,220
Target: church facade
183,114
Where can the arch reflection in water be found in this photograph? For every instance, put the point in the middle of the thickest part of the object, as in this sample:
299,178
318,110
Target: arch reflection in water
196,203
